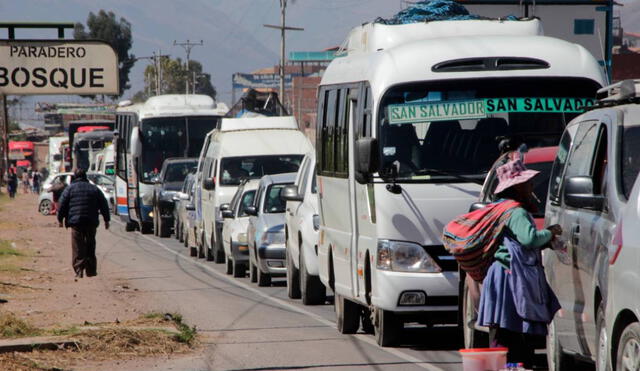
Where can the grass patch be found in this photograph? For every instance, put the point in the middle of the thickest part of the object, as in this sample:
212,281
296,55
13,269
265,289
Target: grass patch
14,327
6,249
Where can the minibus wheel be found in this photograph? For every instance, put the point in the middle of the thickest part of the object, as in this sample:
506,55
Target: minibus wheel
387,327
347,315
130,227
627,357
146,227
201,247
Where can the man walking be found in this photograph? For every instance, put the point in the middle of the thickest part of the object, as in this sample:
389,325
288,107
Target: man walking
80,206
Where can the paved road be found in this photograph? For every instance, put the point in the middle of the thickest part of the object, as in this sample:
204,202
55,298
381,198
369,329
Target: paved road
251,328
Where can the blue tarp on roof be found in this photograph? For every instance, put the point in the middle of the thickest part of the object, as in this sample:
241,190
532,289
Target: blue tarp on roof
434,10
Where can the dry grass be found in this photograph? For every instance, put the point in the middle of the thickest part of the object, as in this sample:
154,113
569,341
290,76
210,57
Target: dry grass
107,341
13,327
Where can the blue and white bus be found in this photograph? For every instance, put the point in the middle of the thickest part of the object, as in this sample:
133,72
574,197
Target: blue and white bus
148,133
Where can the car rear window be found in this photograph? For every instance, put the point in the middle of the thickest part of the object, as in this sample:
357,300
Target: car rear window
629,157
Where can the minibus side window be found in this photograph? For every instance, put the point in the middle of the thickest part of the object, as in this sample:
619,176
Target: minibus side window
341,133
364,126
328,137
323,96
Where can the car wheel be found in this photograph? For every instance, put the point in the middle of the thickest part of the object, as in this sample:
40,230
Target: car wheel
293,278
602,360
347,315
628,357
253,273
193,251
239,270
201,247
229,264
556,358
312,289
130,227
146,227
387,327
472,337
264,279
156,223
45,207
219,252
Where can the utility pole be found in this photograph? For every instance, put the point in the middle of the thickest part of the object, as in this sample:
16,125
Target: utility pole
187,46
158,68
283,29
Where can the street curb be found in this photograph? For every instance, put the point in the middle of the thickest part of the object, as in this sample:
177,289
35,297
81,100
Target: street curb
36,343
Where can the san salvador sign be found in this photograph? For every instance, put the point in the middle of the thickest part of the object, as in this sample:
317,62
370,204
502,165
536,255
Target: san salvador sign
57,67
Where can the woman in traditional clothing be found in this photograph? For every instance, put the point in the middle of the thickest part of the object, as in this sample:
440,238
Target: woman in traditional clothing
516,301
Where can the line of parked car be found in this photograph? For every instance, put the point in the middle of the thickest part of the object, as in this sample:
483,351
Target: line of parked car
251,201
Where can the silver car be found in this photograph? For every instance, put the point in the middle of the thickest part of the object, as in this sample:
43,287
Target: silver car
592,176
45,200
265,234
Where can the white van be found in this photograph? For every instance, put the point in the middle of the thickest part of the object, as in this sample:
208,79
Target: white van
242,148
409,123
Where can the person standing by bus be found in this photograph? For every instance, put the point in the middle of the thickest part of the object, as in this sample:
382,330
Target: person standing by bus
12,182
80,206
513,303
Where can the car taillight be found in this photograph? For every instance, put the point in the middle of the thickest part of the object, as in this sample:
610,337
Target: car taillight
617,242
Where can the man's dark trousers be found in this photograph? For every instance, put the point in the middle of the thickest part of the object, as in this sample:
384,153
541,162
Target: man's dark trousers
83,244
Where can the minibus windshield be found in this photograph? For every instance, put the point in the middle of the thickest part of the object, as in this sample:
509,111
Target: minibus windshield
449,131
234,169
177,171
172,137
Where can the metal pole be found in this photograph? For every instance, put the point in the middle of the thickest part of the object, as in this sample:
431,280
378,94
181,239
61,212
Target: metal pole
283,7
4,120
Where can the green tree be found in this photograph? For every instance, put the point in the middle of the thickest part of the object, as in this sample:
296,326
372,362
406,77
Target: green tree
174,79
117,32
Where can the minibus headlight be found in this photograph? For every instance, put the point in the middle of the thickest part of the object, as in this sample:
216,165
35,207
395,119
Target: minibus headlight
404,257
273,238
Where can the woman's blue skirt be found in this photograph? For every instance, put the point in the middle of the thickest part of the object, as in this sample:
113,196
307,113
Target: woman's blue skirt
497,308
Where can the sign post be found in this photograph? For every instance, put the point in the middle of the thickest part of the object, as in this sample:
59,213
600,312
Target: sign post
37,67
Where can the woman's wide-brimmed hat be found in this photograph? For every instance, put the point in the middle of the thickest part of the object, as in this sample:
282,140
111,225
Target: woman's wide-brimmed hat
512,173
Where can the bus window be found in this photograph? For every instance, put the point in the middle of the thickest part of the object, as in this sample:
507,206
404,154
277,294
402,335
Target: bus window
439,132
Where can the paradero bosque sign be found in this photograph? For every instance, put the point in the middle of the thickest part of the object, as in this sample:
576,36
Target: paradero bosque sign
57,67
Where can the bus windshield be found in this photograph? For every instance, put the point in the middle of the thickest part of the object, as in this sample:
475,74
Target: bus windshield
449,131
166,137
234,169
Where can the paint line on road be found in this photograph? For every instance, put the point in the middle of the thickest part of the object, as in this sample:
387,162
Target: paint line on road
364,338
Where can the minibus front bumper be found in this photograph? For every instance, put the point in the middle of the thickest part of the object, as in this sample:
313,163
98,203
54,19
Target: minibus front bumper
416,292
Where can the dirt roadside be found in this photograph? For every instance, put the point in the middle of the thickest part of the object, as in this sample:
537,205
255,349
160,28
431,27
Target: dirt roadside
37,284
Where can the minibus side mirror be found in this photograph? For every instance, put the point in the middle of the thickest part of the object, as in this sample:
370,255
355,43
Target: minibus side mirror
190,207
251,210
209,184
136,138
224,207
227,214
367,159
477,206
578,192
290,193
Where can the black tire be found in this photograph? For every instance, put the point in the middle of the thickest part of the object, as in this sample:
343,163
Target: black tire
229,266
293,278
146,227
387,328
130,227
164,230
193,251
556,358
347,315
472,337
156,223
218,252
201,247
45,207
239,270
253,273
627,355
367,322
312,289
602,360
264,279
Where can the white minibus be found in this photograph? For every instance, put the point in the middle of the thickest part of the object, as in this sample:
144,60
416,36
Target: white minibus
146,134
242,148
408,124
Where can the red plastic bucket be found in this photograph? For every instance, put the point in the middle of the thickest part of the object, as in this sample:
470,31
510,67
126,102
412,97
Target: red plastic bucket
483,359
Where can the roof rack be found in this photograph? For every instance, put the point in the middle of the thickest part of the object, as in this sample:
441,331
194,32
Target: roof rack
626,90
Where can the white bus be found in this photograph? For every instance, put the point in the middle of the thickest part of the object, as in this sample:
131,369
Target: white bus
408,126
148,133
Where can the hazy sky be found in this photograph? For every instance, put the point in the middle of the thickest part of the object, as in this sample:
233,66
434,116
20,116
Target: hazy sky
232,30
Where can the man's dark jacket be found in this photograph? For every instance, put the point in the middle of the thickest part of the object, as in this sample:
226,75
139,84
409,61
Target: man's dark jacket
81,203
